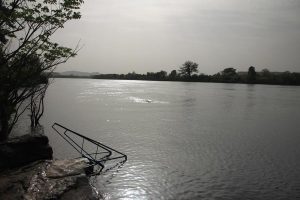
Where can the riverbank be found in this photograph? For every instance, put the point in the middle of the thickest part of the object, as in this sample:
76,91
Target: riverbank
228,75
28,171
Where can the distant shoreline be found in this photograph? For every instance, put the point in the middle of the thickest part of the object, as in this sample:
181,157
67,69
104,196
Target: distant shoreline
228,75
191,81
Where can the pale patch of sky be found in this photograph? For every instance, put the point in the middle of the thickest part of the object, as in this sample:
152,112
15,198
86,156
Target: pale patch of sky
121,36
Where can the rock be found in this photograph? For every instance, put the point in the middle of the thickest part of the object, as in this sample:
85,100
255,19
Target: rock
69,167
13,183
22,150
48,180
82,191
27,173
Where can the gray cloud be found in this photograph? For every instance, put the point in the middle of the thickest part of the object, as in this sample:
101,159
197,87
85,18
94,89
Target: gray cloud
149,35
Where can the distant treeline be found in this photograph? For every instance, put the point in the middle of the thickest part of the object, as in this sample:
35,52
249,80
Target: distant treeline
58,75
228,75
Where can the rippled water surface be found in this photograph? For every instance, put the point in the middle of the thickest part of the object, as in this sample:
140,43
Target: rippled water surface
185,140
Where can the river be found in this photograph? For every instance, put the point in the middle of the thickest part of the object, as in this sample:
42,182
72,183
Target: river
185,140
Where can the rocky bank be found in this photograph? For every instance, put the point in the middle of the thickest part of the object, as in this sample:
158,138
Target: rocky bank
27,171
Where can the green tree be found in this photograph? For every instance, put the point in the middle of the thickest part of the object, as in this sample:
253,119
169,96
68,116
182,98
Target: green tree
229,75
251,76
173,75
27,52
266,73
188,68
161,75
265,77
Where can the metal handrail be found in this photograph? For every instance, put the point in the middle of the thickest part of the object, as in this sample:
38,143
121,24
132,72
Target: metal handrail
92,157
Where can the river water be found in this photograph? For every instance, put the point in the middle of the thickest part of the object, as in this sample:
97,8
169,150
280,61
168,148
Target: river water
185,140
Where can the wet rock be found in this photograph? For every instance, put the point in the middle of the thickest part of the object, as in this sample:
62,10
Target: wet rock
14,183
23,150
27,171
58,179
69,167
81,191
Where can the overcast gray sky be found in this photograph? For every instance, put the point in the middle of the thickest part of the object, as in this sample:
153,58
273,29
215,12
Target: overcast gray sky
121,36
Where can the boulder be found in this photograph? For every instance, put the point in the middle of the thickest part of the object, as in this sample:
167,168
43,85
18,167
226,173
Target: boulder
27,171
19,151
51,179
67,167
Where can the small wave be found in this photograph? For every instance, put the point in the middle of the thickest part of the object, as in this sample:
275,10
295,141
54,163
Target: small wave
161,102
141,100
138,100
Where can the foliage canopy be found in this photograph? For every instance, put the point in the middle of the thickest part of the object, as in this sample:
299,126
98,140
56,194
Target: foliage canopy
27,52
188,68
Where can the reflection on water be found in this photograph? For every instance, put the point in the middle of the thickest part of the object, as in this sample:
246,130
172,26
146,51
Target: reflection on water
186,140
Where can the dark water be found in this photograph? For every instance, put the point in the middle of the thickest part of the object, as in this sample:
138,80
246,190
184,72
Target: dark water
192,141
